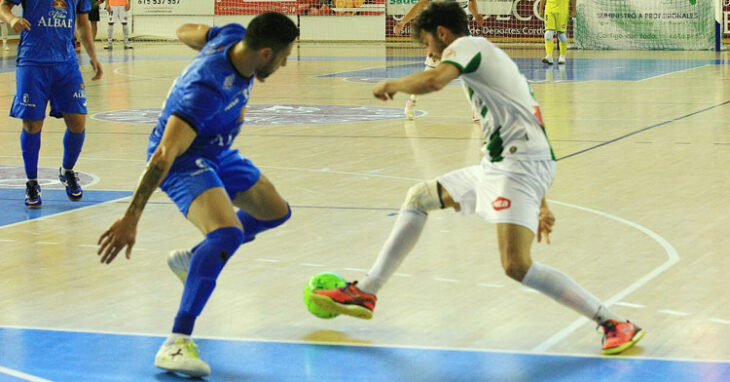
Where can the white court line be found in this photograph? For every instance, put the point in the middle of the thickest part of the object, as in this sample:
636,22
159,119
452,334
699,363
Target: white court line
162,336
402,274
720,321
47,242
674,312
488,285
88,245
446,280
328,171
63,213
311,265
628,304
673,258
21,375
267,260
7,240
355,269
678,71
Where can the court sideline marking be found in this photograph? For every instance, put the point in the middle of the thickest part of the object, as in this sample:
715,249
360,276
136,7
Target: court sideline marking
21,375
643,130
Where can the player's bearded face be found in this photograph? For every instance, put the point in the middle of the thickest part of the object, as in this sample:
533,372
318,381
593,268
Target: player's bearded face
434,45
273,63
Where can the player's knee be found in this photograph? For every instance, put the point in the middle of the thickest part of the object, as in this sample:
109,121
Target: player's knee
516,270
32,127
549,35
269,224
562,37
423,197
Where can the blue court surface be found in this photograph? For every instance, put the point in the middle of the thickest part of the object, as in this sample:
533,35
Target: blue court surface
581,69
84,356
54,202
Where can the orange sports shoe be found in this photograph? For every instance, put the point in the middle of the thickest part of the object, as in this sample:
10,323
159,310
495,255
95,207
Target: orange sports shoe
619,336
349,300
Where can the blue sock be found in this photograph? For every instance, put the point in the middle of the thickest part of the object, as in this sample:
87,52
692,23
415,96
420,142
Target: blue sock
253,226
30,145
205,266
72,144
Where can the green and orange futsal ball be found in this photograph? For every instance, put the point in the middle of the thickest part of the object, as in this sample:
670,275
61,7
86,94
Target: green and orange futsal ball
324,280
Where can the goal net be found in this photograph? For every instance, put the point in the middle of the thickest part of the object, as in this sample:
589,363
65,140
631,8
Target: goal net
648,24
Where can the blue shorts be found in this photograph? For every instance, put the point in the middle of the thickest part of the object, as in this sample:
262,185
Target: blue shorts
35,85
192,174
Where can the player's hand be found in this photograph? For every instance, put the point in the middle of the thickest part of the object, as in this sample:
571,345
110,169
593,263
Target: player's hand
98,72
121,234
127,6
380,91
19,23
398,29
545,224
479,19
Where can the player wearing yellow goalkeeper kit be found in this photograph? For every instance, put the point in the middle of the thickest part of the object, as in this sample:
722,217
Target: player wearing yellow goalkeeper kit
555,13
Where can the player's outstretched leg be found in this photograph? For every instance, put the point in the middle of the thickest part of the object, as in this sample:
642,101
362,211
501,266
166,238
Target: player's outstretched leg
514,246
358,300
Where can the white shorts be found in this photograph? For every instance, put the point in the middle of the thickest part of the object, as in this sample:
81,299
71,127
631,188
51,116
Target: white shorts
509,191
118,12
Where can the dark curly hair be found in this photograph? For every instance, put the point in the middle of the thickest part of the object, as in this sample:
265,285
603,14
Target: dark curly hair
447,14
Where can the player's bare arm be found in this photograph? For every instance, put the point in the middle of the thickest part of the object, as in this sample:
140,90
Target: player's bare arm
541,8
415,10
475,12
83,26
193,35
418,83
545,225
175,141
15,22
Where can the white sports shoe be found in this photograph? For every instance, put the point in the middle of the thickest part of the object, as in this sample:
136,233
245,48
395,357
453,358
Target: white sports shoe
6,47
561,59
181,357
548,60
179,262
410,109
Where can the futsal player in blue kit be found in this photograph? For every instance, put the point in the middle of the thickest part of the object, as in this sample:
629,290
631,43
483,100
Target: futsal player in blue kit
48,70
190,158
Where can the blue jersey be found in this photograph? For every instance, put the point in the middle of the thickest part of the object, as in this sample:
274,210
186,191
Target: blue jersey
209,95
51,35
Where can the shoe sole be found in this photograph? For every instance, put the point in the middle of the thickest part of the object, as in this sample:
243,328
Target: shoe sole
34,206
618,349
544,61
333,306
192,373
74,199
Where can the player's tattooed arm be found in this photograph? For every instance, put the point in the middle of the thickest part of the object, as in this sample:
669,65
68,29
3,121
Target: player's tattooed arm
178,136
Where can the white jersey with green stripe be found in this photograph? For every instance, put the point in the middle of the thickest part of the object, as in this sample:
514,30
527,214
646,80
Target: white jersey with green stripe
509,114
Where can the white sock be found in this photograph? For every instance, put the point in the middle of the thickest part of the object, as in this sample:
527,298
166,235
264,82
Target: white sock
401,241
125,29
174,336
414,97
566,291
111,33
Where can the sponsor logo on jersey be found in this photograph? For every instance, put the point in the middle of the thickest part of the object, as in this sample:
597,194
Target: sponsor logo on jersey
501,203
57,17
448,53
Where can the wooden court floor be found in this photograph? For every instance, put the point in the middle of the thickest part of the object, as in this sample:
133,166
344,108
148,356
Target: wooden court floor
640,199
